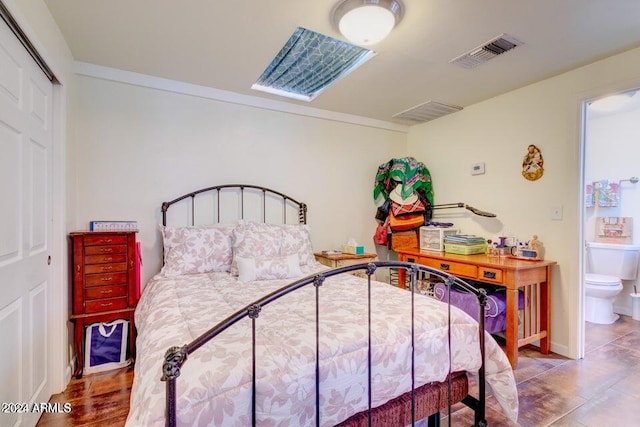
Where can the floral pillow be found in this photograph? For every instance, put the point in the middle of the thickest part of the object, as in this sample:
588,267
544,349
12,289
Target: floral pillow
291,238
282,267
192,250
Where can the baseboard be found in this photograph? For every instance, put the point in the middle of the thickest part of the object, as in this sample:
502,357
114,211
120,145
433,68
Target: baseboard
69,370
622,309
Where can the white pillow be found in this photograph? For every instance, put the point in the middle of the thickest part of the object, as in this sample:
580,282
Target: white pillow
282,267
199,249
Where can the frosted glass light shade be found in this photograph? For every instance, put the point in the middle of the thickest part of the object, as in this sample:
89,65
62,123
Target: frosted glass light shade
611,103
367,22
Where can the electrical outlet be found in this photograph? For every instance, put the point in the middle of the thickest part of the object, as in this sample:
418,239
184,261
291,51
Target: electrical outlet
555,212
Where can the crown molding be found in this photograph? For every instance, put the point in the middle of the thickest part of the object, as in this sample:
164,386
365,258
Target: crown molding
159,83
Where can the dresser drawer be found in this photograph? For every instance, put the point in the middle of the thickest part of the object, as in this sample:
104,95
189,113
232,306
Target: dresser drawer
106,304
486,274
97,292
347,262
457,269
106,279
105,268
328,262
103,259
105,240
99,250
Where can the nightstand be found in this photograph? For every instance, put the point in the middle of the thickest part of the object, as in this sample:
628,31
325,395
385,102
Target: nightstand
343,260
104,283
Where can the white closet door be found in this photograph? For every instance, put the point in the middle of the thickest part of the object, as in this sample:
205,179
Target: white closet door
25,230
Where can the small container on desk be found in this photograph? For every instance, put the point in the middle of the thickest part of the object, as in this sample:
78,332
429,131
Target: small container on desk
432,238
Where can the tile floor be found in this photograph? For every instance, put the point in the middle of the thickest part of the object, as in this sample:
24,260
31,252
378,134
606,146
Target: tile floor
603,389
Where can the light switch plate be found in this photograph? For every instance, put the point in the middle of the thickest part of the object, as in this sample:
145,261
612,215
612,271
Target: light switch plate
477,168
555,212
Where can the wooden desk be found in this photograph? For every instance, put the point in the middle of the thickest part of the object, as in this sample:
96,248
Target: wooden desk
532,278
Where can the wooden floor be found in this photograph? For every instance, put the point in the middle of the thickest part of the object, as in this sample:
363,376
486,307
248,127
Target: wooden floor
603,389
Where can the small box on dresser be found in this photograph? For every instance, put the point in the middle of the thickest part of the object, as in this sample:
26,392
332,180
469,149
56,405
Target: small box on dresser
103,284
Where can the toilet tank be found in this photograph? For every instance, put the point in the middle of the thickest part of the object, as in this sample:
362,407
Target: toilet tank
613,259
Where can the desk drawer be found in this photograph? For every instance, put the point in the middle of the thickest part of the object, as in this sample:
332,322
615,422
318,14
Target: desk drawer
493,275
455,268
107,304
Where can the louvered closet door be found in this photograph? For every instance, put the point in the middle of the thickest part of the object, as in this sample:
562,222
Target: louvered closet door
25,224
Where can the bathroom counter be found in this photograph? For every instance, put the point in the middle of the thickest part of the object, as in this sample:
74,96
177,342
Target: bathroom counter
530,278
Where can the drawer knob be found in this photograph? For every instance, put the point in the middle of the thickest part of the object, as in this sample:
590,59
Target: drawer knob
106,279
444,266
107,259
106,292
489,274
106,305
107,268
78,268
106,250
106,241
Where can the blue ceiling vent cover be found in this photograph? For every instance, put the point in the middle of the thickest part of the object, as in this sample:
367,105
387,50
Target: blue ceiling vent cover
308,63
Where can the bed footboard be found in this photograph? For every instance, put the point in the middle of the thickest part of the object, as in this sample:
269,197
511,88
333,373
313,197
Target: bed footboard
420,402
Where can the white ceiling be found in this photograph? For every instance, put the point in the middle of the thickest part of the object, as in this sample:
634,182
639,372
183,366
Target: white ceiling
227,44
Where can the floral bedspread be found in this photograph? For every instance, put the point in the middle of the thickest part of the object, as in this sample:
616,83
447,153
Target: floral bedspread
214,387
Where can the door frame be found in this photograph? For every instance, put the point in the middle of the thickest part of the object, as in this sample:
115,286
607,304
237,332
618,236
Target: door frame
583,99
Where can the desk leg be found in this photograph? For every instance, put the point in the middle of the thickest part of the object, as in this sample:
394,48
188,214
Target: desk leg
512,327
545,315
78,335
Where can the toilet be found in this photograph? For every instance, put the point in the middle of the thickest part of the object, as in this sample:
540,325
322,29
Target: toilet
607,265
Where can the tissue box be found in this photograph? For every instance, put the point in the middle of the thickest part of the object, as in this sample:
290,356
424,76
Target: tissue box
354,250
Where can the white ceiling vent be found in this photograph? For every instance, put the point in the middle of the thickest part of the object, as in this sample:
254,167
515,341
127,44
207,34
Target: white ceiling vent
489,50
427,111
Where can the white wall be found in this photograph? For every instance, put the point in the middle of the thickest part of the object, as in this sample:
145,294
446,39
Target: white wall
611,153
498,132
138,147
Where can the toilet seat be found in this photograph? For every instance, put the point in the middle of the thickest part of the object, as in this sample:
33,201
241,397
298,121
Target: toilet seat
601,280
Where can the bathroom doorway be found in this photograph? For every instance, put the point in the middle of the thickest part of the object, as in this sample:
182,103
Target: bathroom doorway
611,129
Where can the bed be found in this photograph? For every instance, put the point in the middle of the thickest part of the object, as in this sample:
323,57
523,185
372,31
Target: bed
243,327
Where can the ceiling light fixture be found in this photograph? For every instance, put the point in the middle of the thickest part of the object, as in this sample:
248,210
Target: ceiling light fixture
611,103
366,22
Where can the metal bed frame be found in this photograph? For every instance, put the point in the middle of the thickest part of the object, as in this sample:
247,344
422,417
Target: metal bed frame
176,356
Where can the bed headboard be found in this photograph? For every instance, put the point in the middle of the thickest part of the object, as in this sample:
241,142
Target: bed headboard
230,202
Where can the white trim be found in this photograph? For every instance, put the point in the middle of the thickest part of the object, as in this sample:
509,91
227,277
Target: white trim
144,80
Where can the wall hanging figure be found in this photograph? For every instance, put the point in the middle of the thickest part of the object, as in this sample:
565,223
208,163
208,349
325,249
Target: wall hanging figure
532,164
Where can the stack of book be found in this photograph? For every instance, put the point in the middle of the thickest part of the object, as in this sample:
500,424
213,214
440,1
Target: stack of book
465,244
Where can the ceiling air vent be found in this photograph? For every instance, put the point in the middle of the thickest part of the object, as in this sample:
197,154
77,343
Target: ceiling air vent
427,111
489,50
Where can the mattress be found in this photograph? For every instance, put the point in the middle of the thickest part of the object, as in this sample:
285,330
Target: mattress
214,387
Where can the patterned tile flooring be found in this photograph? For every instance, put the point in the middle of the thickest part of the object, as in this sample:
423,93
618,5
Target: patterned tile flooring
603,389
